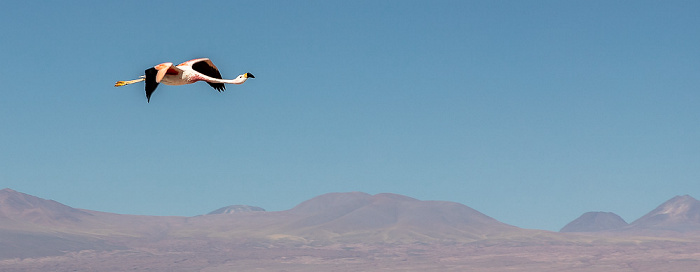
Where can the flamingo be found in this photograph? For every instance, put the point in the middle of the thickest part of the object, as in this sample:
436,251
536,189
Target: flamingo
187,72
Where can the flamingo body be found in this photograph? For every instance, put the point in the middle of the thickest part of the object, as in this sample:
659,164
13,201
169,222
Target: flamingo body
187,72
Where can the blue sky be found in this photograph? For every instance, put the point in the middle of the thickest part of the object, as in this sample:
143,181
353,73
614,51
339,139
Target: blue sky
532,112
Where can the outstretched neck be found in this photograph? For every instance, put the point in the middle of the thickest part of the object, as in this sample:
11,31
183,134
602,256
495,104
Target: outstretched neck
238,80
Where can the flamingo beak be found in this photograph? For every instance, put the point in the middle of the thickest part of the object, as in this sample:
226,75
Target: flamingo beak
249,75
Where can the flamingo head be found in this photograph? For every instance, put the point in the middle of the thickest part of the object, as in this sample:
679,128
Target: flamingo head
242,78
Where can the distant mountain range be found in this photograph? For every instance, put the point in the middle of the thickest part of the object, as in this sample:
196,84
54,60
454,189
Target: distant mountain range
32,226
35,227
679,214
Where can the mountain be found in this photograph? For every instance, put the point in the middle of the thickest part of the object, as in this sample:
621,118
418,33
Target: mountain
24,208
595,221
681,213
35,227
237,209
386,217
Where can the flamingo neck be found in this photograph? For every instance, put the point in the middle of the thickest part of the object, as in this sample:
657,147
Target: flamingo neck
238,80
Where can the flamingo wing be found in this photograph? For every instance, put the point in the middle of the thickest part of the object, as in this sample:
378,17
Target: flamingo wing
151,83
207,68
155,75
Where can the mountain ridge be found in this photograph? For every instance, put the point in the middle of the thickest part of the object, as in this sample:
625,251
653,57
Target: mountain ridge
337,230
352,217
594,222
680,213
23,207
236,209
392,217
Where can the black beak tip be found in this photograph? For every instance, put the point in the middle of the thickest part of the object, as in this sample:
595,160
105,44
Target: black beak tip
251,75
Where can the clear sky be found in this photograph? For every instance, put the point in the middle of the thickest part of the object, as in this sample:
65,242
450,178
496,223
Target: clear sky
532,112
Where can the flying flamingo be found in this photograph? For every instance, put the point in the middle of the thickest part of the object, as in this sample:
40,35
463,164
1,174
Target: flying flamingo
187,72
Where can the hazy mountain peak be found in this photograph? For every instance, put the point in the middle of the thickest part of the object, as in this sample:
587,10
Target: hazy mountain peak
237,209
680,213
22,206
389,217
678,206
395,197
333,201
595,221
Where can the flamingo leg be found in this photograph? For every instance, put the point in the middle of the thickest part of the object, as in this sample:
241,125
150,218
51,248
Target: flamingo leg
127,82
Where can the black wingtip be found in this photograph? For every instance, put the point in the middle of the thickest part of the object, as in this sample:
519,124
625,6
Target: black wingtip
151,83
217,86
